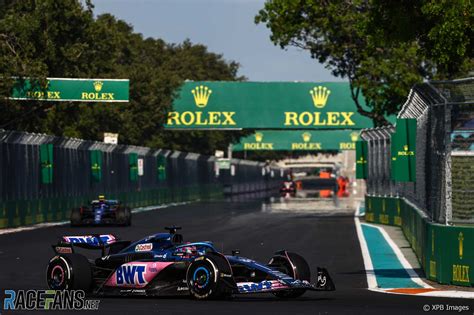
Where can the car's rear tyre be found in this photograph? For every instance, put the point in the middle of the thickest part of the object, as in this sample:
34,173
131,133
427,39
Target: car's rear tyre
296,266
124,216
69,272
129,216
204,278
76,217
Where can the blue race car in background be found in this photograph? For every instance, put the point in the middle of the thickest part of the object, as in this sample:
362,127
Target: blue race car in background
102,211
163,265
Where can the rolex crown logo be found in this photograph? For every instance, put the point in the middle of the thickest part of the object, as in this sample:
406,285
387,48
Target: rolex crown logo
98,85
320,95
306,136
405,147
258,137
201,95
354,136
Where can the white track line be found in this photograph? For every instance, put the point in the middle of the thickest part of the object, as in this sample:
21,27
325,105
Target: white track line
358,213
151,208
434,293
50,224
32,227
406,265
369,268
372,280
451,294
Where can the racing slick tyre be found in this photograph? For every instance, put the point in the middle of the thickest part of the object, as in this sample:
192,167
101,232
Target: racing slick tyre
296,266
129,216
69,272
205,279
76,217
124,216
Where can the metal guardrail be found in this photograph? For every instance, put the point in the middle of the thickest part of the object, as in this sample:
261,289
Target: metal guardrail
378,179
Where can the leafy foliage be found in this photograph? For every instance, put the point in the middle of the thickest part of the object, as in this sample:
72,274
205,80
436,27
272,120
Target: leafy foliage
49,38
443,29
350,38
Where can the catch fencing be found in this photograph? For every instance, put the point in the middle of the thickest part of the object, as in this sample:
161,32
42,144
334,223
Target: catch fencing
444,184
434,206
42,177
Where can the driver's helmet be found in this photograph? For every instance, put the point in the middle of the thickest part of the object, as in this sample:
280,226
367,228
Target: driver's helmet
101,198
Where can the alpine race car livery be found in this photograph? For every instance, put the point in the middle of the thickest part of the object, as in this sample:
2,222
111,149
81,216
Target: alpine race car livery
101,212
163,265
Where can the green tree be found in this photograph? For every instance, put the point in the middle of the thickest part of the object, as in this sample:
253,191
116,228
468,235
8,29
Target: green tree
39,39
335,34
48,38
443,29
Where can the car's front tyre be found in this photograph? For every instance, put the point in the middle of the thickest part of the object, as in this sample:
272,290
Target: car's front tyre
206,275
295,266
124,216
129,216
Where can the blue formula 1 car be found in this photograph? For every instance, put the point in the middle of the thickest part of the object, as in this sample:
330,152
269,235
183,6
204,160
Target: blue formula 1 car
102,211
163,265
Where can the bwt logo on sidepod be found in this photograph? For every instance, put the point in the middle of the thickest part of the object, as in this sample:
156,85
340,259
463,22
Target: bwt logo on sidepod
129,274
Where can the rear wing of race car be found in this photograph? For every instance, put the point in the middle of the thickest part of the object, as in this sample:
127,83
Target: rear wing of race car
66,244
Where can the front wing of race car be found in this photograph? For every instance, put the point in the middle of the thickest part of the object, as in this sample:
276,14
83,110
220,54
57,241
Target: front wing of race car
284,282
98,216
277,280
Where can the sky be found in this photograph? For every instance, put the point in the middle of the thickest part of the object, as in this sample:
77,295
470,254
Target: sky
224,26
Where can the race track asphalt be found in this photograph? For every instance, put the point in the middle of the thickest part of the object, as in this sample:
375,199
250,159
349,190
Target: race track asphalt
324,238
